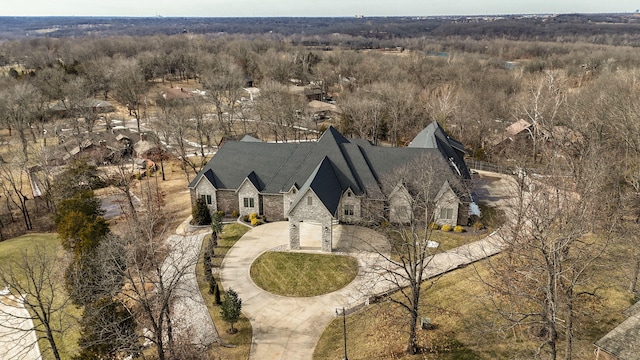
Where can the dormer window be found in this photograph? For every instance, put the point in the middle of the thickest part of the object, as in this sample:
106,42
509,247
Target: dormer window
348,193
309,200
294,191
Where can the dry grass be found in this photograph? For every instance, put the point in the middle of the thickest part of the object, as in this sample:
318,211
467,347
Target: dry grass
242,339
467,327
303,274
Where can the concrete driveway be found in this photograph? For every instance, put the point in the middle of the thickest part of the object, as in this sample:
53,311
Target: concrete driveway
17,338
289,327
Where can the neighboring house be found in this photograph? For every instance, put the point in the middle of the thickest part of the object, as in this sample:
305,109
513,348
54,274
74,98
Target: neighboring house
310,92
520,129
623,342
96,153
322,110
88,105
98,148
332,180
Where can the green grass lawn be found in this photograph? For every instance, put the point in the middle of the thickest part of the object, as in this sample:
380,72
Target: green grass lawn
241,341
13,249
303,274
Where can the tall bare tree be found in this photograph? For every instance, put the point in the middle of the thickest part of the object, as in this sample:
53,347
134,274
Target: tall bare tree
407,223
130,87
19,109
559,229
153,270
34,278
223,80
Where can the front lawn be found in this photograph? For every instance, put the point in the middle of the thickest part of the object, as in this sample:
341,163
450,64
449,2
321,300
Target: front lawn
303,274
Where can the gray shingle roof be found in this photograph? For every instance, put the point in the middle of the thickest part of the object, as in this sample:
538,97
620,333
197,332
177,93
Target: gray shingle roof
434,137
624,340
355,164
325,184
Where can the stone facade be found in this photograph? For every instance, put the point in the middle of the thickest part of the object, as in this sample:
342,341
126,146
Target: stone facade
273,207
310,208
287,199
399,205
227,201
204,187
252,203
350,208
447,208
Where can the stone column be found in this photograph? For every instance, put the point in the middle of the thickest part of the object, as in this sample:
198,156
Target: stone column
327,234
294,234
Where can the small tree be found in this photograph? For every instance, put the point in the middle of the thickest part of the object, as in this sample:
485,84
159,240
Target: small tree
230,309
216,228
212,285
200,212
216,295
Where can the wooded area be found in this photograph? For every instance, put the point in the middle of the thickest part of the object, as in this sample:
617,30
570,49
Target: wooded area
553,100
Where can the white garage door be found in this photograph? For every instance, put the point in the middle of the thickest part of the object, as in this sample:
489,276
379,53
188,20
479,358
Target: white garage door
310,235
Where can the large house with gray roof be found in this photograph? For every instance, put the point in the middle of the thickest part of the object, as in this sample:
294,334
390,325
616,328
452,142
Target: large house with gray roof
333,180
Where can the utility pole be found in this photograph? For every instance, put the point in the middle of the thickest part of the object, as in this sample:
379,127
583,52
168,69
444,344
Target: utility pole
344,331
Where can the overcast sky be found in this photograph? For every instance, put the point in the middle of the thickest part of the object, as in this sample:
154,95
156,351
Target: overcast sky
234,8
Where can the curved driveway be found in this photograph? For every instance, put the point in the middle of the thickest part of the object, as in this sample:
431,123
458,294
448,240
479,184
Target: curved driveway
288,327
283,327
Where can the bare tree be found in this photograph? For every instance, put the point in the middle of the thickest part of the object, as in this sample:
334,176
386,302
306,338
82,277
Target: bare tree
14,180
541,107
153,271
173,127
130,87
19,109
34,279
559,230
223,80
407,222
280,111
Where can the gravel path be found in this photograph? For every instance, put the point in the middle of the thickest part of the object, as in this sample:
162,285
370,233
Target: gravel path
190,314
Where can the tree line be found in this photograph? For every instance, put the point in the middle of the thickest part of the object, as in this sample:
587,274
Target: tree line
580,100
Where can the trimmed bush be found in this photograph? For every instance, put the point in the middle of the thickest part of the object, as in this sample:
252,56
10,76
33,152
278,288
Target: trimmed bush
264,218
434,226
245,218
253,216
458,229
221,213
256,222
200,213
235,214
477,226
446,227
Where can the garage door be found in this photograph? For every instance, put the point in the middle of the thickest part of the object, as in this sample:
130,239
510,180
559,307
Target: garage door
310,235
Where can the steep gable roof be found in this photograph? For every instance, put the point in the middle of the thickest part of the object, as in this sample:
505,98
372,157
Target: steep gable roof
325,184
434,137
